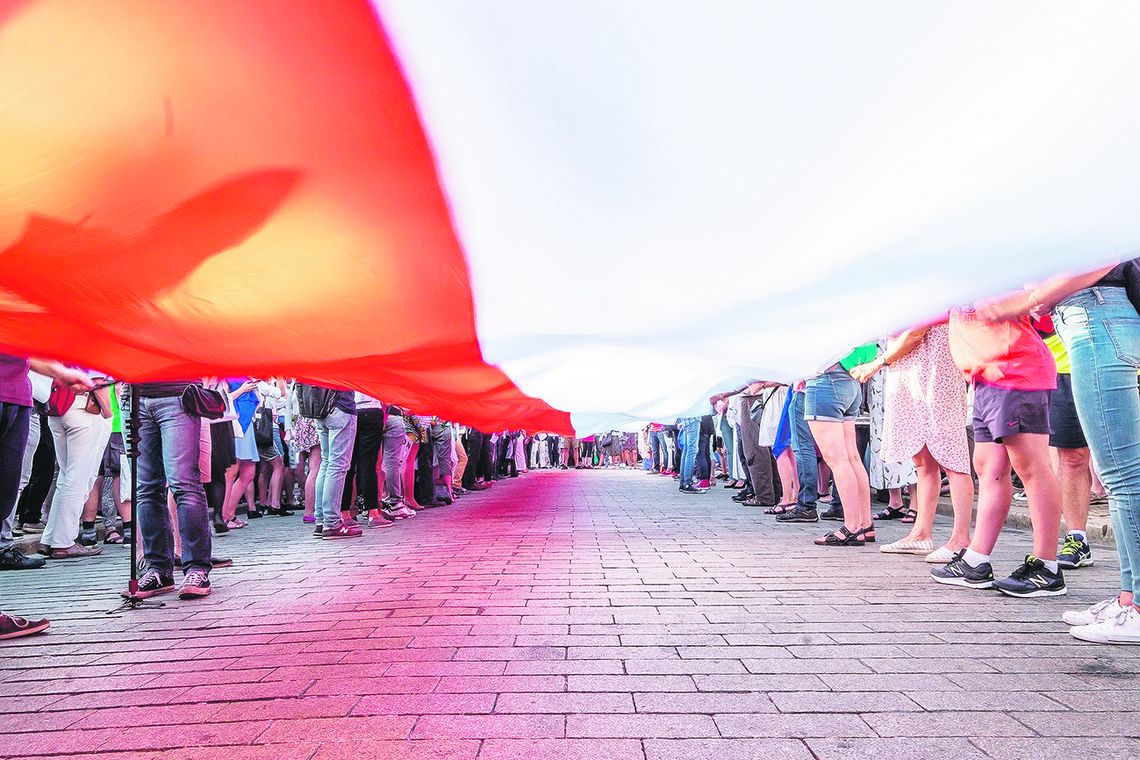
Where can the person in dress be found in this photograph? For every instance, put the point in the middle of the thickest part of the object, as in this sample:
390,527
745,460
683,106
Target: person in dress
924,408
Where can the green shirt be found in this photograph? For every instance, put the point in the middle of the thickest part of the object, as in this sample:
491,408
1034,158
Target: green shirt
861,355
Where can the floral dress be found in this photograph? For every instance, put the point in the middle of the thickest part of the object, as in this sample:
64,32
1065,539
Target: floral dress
884,472
925,405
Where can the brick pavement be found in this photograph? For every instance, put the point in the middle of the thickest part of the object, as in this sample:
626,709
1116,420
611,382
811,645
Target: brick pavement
597,615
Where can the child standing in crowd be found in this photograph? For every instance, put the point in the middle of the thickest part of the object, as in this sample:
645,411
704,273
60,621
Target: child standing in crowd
1012,372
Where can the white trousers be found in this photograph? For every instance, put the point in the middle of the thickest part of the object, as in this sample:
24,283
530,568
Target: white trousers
80,439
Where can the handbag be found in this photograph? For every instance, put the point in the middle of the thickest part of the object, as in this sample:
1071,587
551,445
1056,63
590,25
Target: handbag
203,402
263,428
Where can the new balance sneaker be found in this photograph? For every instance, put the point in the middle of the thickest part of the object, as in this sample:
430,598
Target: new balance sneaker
151,584
960,573
381,521
1032,579
195,584
1121,628
1098,613
800,514
1074,553
405,512
344,530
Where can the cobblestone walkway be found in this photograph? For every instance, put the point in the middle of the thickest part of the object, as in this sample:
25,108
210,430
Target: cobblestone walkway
593,615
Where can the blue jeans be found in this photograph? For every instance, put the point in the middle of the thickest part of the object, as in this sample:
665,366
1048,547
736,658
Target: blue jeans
803,444
1101,329
688,437
658,448
337,434
729,439
168,458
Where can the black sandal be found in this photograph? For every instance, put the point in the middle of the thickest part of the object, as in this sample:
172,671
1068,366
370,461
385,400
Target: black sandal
779,509
910,516
841,537
867,533
892,513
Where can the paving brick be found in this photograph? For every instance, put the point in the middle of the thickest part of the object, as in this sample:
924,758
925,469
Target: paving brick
842,702
564,702
393,750
895,749
640,726
561,749
791,726
489,727
630,683
704,702
1107,748
726,749
946,724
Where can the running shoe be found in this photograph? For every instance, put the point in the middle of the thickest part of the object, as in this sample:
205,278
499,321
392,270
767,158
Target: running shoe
1032,579
961,573
1074,553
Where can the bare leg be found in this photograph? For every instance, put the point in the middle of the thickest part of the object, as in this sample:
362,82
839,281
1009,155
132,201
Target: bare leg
276,481
995,495
925,500
835,439
1029,455
1076,486
786,465
314,461
824,481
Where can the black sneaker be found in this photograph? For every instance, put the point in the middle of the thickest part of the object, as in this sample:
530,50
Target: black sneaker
959,573
318,531
835,514
220,527
1032,579
742,496
1074,553
151,584
195,584
88,539
13,559
800,514
690,489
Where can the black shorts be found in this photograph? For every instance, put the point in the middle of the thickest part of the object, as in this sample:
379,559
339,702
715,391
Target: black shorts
111,466
1064,427
1001,412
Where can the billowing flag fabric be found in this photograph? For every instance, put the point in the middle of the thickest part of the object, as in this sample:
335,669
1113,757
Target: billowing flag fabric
508,212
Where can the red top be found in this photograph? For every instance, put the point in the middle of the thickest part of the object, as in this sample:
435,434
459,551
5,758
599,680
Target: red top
1005,354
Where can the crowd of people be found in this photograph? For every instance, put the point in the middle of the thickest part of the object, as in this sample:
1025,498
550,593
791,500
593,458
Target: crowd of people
1039,388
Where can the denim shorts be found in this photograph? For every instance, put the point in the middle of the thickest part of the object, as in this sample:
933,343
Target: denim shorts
1064,427
834,396
1001,412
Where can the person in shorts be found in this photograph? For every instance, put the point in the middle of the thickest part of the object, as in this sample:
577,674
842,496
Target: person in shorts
1012,372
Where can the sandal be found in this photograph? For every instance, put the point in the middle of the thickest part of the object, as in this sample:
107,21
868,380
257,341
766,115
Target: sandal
841,537
892,513
779,509
113,537
868,534
910,516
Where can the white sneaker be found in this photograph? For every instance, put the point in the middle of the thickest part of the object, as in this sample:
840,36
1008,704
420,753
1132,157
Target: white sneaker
1098,613
941,556
1123,628
404,512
